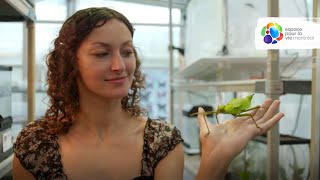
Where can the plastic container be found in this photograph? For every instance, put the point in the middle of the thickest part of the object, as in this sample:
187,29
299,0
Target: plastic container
5,91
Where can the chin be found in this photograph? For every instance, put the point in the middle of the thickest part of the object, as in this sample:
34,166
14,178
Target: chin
115,94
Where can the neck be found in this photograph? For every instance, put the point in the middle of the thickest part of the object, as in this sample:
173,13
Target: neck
100,117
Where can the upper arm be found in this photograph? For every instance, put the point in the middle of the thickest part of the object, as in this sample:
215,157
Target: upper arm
171,167
19,172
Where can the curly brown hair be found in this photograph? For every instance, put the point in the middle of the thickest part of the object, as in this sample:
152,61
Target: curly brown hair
63,68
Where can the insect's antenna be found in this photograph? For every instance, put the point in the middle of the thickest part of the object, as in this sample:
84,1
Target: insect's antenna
216,112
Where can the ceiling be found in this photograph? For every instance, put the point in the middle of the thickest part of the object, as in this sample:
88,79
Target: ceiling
13,10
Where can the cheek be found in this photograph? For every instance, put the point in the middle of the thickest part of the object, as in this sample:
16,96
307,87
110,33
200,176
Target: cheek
89,72
131,66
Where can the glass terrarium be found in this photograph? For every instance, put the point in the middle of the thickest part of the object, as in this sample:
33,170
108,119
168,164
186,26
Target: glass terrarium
5,91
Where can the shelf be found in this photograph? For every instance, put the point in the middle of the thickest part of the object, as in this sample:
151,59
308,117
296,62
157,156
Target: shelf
5,68
244,85
6,165
284,140
17,10
25,90
13,11
290,86
233,68
4,93
258,86
4,90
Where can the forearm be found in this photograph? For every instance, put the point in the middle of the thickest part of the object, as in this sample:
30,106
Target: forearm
212,168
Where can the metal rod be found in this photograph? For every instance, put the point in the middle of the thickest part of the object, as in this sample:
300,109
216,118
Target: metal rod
31,70
273,79
315,106
134,24
171,95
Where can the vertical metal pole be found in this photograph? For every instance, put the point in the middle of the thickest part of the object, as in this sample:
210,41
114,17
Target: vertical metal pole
273,80
171,94
25,51
25,61
31,70
315,113
71,7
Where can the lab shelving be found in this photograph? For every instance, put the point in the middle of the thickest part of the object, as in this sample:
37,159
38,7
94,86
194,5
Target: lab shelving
5,112
221,74
287,86
21,11
282,87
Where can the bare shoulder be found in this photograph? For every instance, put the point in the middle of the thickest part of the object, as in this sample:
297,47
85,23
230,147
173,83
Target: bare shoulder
19,172
172,165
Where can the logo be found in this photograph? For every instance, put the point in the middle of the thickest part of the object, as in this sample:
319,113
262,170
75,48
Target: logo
272,33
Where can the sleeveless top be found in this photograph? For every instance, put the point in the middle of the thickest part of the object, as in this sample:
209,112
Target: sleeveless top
38,151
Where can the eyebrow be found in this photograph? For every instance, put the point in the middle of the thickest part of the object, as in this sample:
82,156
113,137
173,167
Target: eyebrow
129,42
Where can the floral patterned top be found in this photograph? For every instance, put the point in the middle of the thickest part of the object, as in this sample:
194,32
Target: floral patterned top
38,151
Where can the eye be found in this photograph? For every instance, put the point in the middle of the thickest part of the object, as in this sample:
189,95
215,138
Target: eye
127,53
101,54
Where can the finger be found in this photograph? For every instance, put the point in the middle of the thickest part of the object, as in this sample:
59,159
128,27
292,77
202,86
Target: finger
271,110
202,121
263,109
258,113
270,123
247,118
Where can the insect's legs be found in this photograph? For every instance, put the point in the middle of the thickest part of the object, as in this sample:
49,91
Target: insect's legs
217,118
238,115
256,107
205,120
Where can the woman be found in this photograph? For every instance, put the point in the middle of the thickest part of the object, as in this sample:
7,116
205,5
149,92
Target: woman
94,127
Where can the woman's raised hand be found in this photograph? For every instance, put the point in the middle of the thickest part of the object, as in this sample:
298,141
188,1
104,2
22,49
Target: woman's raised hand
228,139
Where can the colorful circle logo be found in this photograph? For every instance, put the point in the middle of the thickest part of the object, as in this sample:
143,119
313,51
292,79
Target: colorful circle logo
272,33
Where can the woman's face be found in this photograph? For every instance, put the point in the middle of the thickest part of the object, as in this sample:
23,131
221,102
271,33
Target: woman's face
106,61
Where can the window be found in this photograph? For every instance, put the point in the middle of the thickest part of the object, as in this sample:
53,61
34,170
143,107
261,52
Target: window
51,10
136,13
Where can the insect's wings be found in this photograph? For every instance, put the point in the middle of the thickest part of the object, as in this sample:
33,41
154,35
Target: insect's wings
246,102
236,102
240,103
230,108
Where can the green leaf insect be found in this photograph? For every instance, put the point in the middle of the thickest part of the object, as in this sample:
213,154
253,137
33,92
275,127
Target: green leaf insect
236,107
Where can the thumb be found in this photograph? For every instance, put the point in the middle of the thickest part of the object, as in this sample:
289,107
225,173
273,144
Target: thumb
202,121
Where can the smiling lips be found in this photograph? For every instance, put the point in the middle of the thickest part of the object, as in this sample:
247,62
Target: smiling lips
120,79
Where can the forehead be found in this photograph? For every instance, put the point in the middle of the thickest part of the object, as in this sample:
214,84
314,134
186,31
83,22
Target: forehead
112,30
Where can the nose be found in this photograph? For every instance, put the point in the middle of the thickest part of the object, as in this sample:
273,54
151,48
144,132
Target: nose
117,63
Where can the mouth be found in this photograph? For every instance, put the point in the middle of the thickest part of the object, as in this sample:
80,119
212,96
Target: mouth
116,78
